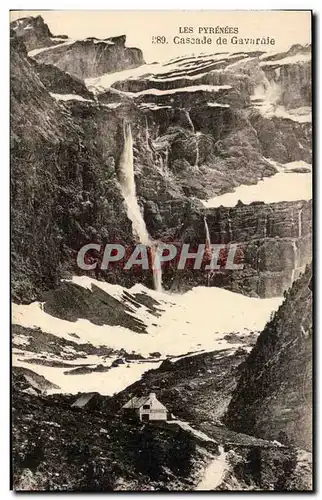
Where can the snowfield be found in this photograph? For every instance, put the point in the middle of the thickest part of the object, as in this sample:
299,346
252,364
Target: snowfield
106,383
270,189
173,70
34,52
217,105
104,82
176,325
69,97
297,58
192,88
193,321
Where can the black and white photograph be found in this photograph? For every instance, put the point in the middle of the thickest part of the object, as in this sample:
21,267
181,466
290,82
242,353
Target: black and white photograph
161,251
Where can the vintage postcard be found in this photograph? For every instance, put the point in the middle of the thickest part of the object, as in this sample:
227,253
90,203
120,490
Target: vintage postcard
161,250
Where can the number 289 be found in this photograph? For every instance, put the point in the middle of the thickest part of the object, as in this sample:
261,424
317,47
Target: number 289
159,39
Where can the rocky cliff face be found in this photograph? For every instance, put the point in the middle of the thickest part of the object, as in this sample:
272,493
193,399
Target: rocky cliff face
292,80
274,245
202,126
274,395
108,455
54,449
32,31
80,58
52,176
199,130
92,57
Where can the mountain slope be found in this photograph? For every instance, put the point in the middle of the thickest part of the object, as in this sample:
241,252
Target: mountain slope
202,126
90,57
274,392
80,58
32,31
216,148
55,181
90,327
60,448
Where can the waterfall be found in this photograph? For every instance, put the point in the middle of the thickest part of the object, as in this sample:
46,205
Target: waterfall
268,92
295,266
127,181
208,242
208,246
300,222
293,276
265,227
162,167
230,231
129,190
187,114
161,164
271,90
166,159
197,151
157,271
197,148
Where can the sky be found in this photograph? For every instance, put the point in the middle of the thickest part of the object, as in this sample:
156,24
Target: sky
287,27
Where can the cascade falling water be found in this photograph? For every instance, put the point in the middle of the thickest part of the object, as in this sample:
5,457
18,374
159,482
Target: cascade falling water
197,152
265,227
295,253
230,231
295,247
208,246
300,222
129,190
157,271
197,149
127,181
268,92
161,164
208,242
187,114
166,158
